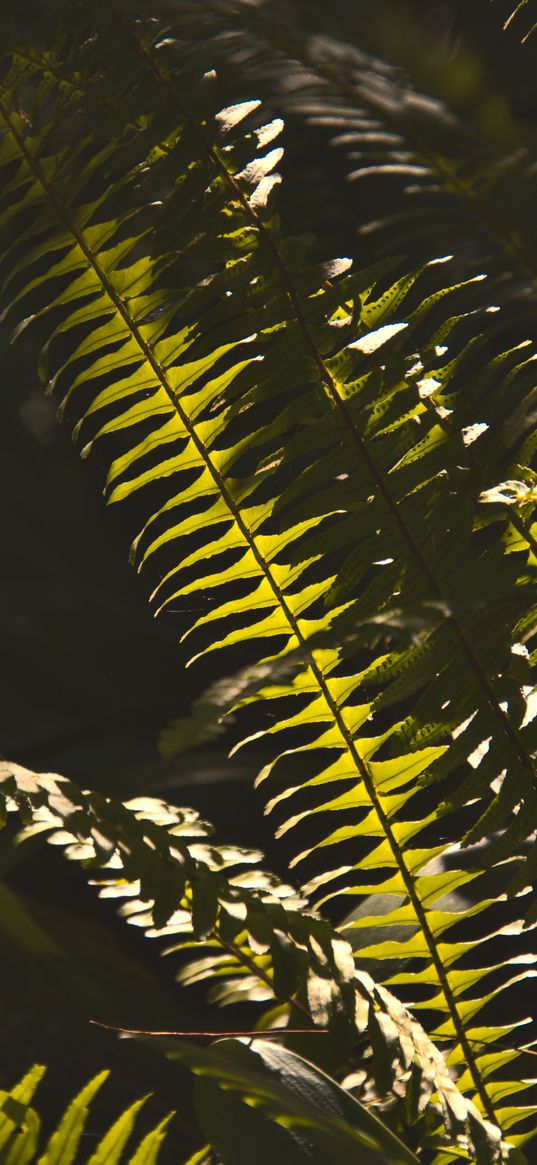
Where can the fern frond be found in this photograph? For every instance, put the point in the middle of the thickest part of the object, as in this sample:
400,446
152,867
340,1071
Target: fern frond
20,1129
327,465
255,941
410,164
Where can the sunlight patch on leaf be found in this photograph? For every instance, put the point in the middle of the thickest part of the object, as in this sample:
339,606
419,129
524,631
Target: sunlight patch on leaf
372,341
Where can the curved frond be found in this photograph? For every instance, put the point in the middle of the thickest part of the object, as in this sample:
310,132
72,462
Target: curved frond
20,1129
255,941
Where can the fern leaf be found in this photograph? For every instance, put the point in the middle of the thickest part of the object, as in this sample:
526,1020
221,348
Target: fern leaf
148,1150
19,1124
263,944
201,1157
111,1146
403,151
20,1128
63,1144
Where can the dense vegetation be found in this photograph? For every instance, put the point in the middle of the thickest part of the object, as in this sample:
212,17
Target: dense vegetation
285,304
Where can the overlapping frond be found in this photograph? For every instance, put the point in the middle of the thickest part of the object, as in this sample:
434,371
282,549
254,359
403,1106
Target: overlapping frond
255,940
402,161
281,1082
320,457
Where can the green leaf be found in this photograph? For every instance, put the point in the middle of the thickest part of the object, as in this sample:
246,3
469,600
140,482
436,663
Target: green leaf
63,1145
149,1148
110,1147
291,1088
239,1133
19,1125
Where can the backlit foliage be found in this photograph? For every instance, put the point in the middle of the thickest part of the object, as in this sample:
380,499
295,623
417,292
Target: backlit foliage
330,464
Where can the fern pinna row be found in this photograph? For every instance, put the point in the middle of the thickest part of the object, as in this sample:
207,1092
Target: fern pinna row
332,464
255,940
